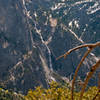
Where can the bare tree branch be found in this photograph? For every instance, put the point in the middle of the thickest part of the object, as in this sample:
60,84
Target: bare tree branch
96,95
90,48
93,69
77,69
78,47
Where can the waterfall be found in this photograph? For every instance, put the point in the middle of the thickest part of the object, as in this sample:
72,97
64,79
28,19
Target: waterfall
27,14
49,52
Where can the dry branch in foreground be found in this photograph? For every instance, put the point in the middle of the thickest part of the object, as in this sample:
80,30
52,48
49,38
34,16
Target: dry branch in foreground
90,48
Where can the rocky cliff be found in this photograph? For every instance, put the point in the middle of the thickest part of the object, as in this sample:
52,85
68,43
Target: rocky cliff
33,33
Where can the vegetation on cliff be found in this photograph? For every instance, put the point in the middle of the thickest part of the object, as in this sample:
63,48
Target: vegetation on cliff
56,91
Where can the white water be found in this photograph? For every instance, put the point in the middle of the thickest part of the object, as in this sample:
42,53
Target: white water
46,69
48,72
27,13
49,52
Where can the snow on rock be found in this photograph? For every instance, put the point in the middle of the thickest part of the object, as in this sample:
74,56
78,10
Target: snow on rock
94,8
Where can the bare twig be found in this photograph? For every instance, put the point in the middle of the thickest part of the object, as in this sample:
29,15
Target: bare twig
93,69
78,47
77,69
96,95
90,48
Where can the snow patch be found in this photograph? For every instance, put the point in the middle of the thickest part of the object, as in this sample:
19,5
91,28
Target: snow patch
73,22
83,1
63,0
94,8
49,51
35,14
70,24
76,24
58,6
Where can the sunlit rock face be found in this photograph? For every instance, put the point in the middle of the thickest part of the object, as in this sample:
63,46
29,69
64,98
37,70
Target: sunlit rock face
33,33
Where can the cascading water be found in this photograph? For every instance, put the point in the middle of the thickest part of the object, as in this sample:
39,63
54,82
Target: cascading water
27,14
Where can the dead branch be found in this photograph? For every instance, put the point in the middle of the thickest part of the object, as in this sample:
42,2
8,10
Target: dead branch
78,47
93,69
96,95
77,69
90,48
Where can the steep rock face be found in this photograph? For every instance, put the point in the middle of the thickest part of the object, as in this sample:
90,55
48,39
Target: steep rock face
34,32
18,56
